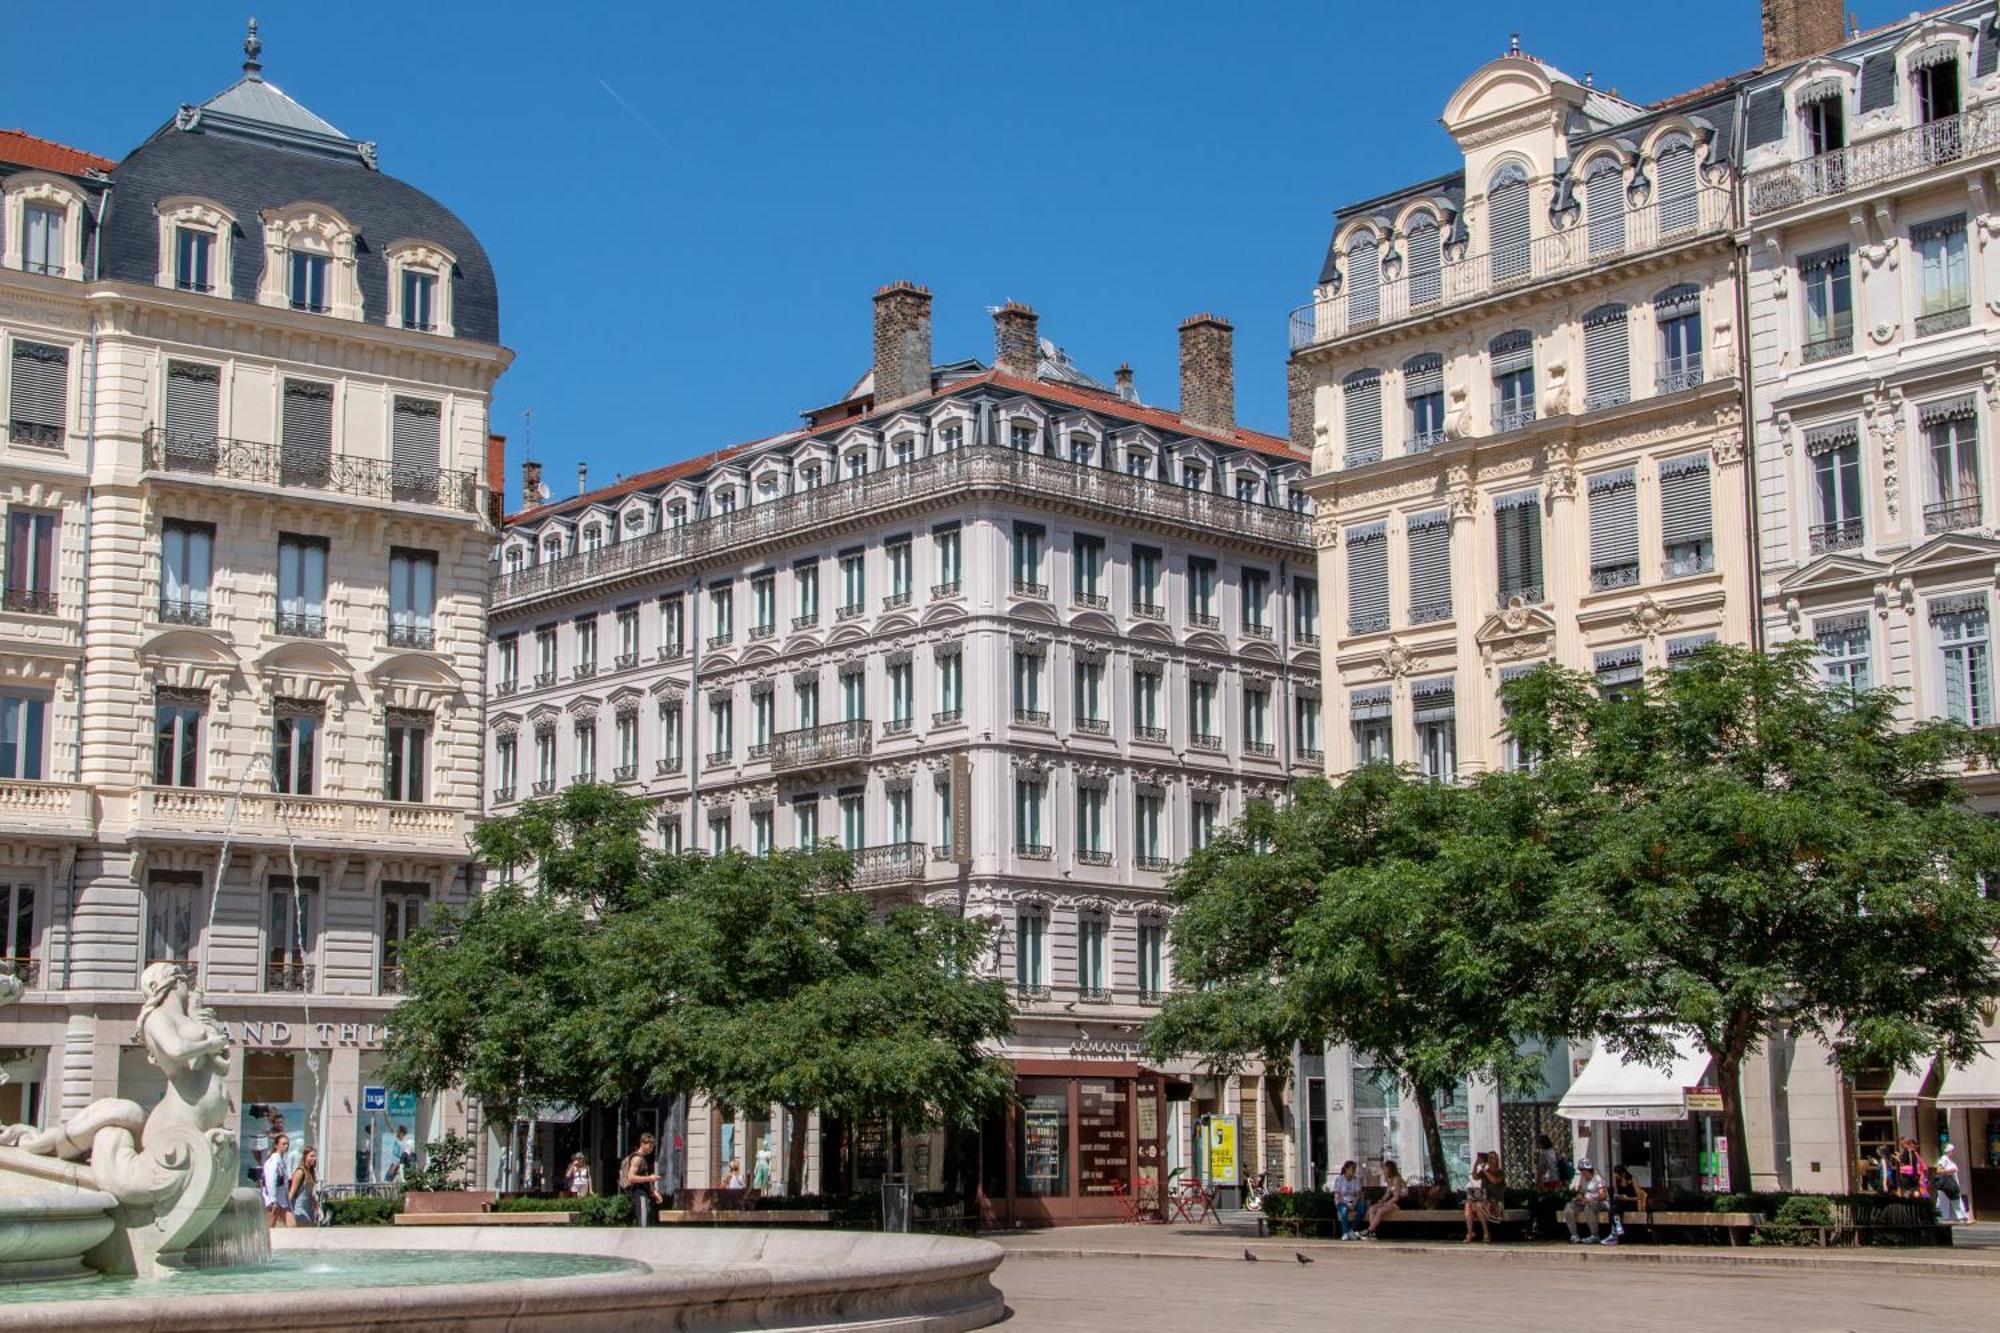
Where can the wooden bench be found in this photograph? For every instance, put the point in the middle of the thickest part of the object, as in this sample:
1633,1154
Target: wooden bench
1737,1226
483,1219
1448,1216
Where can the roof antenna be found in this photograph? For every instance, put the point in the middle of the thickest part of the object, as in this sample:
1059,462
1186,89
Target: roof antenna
1514,44
253,68
1589,79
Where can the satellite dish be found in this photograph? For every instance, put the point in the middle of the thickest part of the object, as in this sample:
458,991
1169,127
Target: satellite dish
542,493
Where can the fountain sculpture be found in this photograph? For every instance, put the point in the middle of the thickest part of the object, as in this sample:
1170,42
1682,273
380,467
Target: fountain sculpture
115,1188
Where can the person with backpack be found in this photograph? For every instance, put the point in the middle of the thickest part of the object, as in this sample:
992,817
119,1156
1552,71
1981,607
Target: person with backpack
1950,1193
639,1181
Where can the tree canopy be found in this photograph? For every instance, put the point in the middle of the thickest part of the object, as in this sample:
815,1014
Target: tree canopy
600,969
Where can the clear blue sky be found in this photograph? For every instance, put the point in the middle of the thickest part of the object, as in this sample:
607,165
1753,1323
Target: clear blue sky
689,206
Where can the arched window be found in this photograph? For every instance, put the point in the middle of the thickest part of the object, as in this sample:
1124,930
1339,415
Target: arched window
1677,312
1361,396
1676,185
1423,250
1507,231
1604,206
1607,375
1364,280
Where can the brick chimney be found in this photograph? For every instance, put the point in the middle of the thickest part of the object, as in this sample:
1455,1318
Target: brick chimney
1208,372
1017,348
902,342
531,484
1126,390
1795,29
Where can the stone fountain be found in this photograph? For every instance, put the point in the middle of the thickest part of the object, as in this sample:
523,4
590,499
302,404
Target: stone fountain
117,1189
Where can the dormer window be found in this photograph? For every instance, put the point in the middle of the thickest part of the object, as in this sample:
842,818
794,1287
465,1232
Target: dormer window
950,436
1934,72
856,463
1823,117
677,514
1192,476
194,259
906,450
42,240
1021,435
1137,464
809,477
419,296
307,283
725,501
552,550
593,537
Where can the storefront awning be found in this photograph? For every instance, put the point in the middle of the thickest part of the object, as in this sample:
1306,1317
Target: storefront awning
1907,1087
1611,1088
1976,1084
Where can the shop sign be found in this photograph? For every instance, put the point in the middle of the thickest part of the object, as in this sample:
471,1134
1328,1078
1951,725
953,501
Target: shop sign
374,1099
278,1032
1103,1048
1704,1099
961,809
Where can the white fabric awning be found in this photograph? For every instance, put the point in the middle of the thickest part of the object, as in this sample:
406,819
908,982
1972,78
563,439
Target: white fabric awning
1611,1088
1907,1087
1976,1084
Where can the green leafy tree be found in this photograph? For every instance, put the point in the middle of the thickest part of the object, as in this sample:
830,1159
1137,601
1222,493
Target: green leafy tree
758,980
1747,848
1390,913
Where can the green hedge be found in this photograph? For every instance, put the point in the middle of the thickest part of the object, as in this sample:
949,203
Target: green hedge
362,1210
592,1210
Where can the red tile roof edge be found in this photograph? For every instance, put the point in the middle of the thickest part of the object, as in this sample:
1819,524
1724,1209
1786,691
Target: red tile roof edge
1090,399
32,150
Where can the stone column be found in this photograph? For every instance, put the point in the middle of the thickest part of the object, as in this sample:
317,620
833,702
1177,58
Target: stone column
1471,600
1565,554
343,1115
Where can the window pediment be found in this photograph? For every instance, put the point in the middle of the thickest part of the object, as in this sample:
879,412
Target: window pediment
38,189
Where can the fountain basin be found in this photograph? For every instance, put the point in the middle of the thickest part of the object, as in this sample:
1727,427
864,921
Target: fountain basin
47,1235
692,1279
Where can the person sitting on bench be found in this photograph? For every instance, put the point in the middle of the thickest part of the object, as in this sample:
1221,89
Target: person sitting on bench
1589,1204
1394,1188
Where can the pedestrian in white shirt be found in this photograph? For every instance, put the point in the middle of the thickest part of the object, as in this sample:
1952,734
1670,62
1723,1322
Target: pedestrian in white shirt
277,1182
1590,1203
1950,1193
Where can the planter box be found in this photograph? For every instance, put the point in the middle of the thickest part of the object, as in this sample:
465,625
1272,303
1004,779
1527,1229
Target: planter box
449,1201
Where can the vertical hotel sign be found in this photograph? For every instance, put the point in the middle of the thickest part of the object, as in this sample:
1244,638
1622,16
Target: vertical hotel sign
961,809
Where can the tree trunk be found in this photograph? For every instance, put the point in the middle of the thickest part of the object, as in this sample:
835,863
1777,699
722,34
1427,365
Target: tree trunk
795,1152
1729,1081
1433,1136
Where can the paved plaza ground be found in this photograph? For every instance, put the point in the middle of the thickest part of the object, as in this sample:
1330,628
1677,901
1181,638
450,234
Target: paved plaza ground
1137,1279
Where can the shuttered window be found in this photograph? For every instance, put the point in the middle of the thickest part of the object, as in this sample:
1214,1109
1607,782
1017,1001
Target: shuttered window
1430,567
1965,667
1604,206
1423,261
1686,529
1507,228
1517,521
1361,396
38,394
1364,280
1423,397
1512,355
306,447
1607,373
193,392
1367,578
1619,670
1676,191
1614,530
414,450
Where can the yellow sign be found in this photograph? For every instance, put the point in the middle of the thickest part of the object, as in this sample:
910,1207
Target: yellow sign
1704,1099
1222,1163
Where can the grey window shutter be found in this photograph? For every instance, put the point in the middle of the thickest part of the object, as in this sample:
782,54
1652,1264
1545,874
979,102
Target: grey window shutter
1682,650
1430,567
40,392
414,450
1604,207
1983,56
1517,520
1434,700
1423,374
1361,395
1878,82
1512,351
1675,188
193,395
1423,261
1364,280
1507,225
1367,578
306,447
1607,377
1764,118
1368,705
1614,530
1684,500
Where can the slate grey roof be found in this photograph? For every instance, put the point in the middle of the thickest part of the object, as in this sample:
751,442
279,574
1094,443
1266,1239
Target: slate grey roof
252,148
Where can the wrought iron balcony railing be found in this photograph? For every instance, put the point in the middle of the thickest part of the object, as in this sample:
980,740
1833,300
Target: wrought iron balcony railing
1033,851
1145,733
896,726
502,795
1202,740
288,976
1093,857
1031,717
947,717
544,786
302,624
1149,610
37,433
1029,588
891,863
30,601
1676,376
1154,863
1825,349
812,747
1421,613
1578,248
895,601
1096,726
183,611
1263,748
975,469
1837,536
1920,148
625,773
1950,515
406,634
313,470
1944,321
950,589
544,679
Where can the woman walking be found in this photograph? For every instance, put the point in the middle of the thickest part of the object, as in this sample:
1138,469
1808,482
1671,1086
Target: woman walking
303,1195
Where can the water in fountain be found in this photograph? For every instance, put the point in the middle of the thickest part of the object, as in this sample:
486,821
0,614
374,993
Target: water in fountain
240,1236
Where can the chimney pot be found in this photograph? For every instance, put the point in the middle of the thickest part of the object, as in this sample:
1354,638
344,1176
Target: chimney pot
1126,390
902,342
1017,347
582,478
1795,29
531,484
1208,372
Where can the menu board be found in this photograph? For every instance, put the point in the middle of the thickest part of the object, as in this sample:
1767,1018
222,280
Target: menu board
1148,1182
1103,1136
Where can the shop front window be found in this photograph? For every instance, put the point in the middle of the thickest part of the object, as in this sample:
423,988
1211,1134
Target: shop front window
1103,1138
1043,1147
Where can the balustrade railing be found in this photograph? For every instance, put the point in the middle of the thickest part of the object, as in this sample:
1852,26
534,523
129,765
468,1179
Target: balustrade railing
314,470
1857,166
891,863
1950,515
834,743
1578,247
982,467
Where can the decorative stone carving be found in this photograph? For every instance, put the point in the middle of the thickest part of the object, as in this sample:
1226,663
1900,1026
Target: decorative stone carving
1649,618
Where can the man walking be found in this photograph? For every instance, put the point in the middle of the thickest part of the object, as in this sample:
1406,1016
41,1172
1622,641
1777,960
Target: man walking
277,1180
640,1181
1589,1204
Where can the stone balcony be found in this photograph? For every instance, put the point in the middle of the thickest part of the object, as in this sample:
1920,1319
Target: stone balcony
837,744
891,863
1575,250
389,827
61,809
981,471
